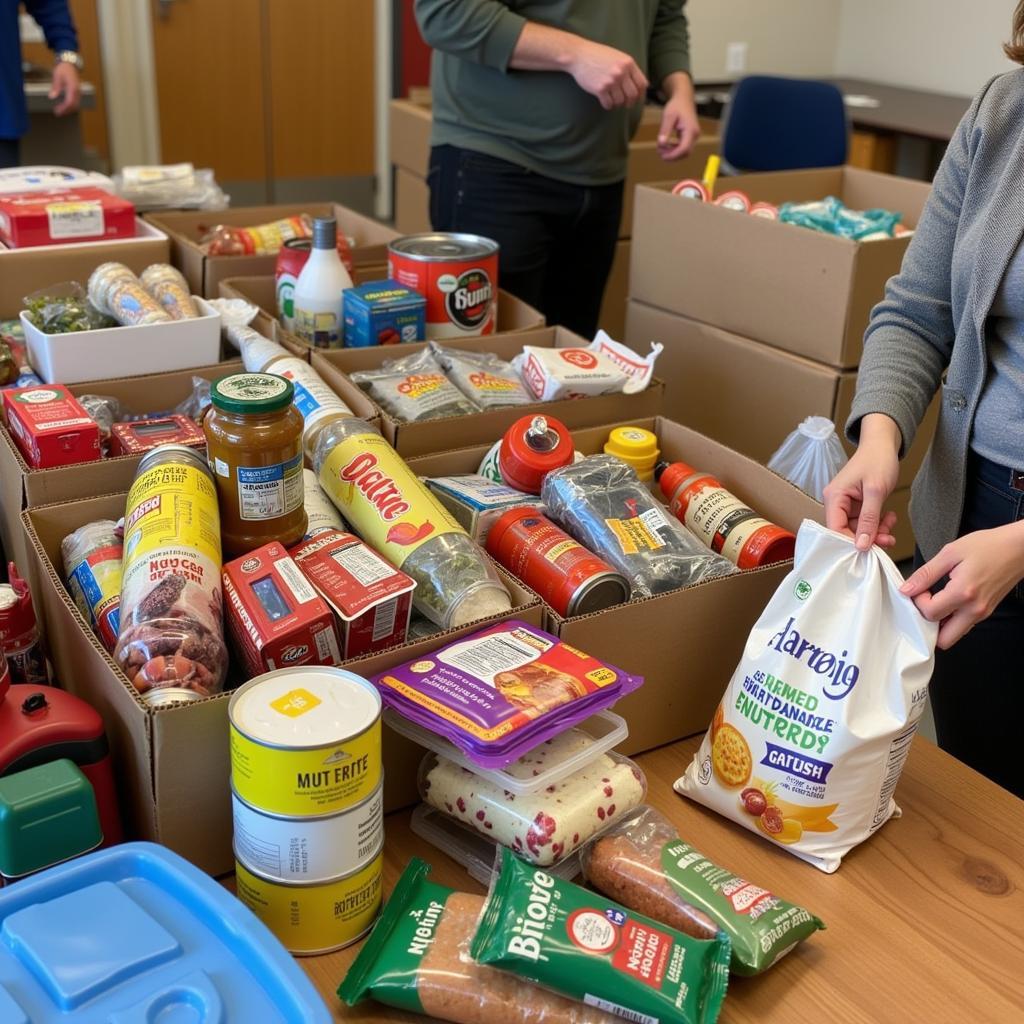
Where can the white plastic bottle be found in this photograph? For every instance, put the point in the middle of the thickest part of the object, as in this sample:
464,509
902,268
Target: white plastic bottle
319,290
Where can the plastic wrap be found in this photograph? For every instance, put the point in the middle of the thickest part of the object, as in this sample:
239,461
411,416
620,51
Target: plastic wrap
832,217
643,864
195,406
170,187
543,827
105,411
64,308
92,569
488,381
168,286
438,977
810,456
116,292
602,503
258,240
414,388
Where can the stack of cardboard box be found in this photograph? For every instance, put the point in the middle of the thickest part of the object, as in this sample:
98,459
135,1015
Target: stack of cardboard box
410,153
763,322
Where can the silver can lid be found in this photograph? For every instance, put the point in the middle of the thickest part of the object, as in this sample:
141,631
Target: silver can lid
441,246
173,454
602,591
167,695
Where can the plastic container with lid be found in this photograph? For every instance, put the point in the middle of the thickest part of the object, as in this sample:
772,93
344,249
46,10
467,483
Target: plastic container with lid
254,439
395,513
636,447
546,826
530,449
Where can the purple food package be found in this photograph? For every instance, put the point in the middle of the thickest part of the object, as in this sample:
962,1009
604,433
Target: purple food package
499,693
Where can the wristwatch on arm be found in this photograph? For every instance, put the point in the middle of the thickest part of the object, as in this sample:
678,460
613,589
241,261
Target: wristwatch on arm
71,57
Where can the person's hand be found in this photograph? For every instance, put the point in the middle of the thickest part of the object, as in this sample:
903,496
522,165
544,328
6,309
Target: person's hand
854,498
67,86
983,567
609,74
680,126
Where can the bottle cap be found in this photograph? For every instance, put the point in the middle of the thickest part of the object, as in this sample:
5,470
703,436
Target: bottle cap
325,233
636,447
669,477
531,448
252,394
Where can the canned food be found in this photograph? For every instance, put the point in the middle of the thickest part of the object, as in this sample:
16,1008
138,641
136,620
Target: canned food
315,918
305,741
766,211
735,200
458,276
309,849
564,573
691,189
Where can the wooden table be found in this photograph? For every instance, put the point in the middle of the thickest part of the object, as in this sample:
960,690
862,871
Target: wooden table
928,115
925,920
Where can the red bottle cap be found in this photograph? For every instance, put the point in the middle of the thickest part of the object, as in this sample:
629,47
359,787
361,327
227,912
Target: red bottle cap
17,617
531,448
671,476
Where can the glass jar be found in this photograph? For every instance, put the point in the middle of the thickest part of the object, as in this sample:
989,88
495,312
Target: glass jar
254,439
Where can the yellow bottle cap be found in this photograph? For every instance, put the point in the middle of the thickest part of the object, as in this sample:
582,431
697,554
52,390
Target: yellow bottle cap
635,446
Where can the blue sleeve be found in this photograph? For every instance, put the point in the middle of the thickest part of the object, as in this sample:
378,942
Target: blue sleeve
54,18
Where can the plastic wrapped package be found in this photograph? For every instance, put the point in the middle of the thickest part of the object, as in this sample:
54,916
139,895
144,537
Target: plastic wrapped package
170,187
258,240
602,503
64,308
488,381
831,216
417,958
92,569
168,286
543,827
116,292
642,863
414,388
810,456
105,411
195,406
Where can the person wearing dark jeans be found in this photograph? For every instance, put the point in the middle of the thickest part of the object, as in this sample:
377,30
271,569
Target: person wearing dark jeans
54,18
535,102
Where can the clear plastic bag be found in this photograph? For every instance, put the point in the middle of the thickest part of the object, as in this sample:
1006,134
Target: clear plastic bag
168,286
602,503
170,187
64,308
810,456
195,406
487,380
116,292
415,388
105,411
92,568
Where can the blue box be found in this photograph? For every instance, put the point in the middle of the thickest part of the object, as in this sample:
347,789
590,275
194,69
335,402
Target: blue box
383,313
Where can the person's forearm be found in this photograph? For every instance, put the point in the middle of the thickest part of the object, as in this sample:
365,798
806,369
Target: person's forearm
878,429
543,48
679,83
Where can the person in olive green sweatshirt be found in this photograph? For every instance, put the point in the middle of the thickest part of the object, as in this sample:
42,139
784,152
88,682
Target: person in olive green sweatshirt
535,102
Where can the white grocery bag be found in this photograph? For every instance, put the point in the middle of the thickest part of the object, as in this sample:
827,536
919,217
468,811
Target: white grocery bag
809,741
810,456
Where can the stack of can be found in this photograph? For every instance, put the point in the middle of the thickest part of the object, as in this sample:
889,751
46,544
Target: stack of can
307,795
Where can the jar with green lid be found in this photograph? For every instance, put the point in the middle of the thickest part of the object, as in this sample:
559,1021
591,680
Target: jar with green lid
254,439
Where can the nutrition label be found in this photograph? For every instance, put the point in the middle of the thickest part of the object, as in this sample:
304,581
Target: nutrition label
363,565
899,750
266,492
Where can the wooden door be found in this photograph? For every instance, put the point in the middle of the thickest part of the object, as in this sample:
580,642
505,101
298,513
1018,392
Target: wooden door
211,89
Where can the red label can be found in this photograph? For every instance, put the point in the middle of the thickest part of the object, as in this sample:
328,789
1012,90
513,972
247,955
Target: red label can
458,276
564,573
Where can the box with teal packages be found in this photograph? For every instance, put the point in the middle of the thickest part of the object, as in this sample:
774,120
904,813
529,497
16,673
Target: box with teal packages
137,934
383,313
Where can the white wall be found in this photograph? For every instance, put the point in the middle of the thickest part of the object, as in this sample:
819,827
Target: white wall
949,46
795,37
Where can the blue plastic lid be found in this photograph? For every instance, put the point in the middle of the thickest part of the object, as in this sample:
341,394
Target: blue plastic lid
135,935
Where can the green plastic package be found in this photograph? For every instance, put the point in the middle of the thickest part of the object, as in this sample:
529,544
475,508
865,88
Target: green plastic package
417,959
643,863
565,938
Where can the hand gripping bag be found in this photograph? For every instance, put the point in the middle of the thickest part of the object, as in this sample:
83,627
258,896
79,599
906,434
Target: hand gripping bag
808,743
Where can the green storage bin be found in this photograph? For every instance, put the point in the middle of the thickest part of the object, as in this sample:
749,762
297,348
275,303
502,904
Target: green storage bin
47,815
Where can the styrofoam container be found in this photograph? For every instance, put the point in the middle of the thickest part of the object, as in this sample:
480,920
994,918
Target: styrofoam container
605,728
73,358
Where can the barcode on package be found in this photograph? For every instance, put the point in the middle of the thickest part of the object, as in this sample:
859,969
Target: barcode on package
364,565
619,1011
384,619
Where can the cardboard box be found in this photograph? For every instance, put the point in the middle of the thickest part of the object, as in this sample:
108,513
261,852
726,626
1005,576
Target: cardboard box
439,435
747,395
616,293
204,273
58,216
685,644
173,763
797,289
24,271
412,203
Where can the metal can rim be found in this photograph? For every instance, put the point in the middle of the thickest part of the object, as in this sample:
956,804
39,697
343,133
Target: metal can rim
482,247
289,884
307,817
588,585
184,455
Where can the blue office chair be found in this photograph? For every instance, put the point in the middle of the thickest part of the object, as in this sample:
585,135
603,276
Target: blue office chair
783,124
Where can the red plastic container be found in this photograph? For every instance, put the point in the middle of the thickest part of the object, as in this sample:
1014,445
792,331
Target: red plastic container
531,448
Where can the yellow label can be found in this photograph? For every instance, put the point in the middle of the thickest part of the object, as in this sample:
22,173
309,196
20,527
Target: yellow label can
320,918
305,741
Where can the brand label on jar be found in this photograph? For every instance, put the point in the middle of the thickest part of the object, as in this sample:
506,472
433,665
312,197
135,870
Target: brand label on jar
266,492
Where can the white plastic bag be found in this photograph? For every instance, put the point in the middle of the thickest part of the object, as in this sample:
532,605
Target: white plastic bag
811,456
809,741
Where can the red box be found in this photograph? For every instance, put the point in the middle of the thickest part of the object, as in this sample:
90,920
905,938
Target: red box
275,617
372,599
58,216
141,436
50,427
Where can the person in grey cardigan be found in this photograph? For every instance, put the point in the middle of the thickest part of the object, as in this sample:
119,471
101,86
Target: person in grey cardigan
953,318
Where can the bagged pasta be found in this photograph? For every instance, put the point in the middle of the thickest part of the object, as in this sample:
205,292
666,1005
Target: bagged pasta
811,736
417,958
488,381
810,456
644,864
414,388
601,502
